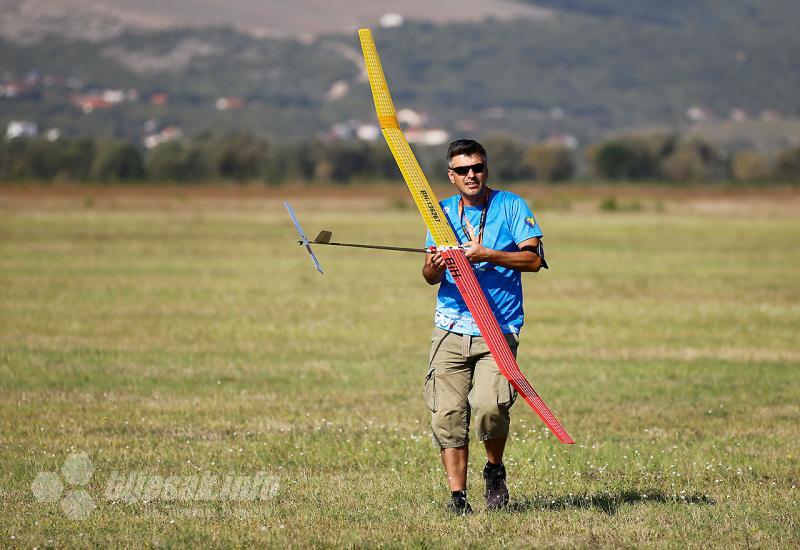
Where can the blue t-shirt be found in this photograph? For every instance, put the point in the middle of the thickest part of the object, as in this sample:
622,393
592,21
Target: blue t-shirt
509,221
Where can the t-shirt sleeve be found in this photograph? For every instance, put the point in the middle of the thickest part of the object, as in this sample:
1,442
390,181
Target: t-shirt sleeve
522,222
429,240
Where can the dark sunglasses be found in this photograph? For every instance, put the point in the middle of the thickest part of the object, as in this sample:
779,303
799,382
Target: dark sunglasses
464,170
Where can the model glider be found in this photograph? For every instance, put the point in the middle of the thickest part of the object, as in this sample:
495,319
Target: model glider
446,241
324,238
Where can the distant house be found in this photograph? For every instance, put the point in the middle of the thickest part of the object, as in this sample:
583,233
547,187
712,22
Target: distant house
113,96
21,129
159,100
345,130
170,133
230,103
14,88
411,118
697,114
738,114
89,103
430,137
391,20
338,89
563,140
368,132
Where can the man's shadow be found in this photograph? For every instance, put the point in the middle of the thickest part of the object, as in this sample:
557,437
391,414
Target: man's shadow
608,503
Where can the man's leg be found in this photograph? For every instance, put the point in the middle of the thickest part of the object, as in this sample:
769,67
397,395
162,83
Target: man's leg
446,389
491,398
494,449
455,466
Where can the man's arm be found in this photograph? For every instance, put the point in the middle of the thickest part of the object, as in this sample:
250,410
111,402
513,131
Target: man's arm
434,268
526,259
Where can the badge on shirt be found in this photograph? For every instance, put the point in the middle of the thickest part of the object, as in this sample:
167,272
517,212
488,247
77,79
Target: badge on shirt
531,221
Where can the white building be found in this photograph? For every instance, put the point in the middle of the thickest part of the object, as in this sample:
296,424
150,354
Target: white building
391,20
21,129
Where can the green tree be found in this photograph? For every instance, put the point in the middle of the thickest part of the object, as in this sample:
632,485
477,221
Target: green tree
36,159
77,158
637,157
118,162
506,159
300,160
240,157
175,161
342,161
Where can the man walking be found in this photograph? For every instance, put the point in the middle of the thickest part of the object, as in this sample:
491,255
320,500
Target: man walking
501,238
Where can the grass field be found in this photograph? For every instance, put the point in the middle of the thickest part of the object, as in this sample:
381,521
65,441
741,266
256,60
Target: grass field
194,337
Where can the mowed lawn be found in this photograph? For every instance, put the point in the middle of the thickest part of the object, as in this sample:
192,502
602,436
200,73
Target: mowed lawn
200,340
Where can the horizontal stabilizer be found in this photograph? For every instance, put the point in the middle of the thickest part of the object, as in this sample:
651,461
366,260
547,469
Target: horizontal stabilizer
304,240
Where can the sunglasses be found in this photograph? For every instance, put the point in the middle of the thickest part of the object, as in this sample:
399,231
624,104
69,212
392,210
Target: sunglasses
464,170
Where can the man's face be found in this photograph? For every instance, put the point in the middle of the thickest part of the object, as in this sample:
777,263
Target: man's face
469,175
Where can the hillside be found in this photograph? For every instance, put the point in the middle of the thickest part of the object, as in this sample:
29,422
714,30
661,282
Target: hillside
29,20
590,68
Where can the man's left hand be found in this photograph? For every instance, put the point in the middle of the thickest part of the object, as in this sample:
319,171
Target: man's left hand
476,252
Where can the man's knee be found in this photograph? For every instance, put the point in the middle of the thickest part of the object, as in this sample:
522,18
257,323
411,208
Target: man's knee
450,429
449,414
491,404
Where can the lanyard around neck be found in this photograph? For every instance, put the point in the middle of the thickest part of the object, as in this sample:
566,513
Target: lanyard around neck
469,230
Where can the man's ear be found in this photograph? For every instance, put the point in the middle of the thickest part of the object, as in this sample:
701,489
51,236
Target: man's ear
451,176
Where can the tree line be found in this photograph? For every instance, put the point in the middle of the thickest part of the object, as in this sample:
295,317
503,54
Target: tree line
245,157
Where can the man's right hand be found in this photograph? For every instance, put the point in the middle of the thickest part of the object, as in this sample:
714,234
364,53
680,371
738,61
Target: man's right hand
434,267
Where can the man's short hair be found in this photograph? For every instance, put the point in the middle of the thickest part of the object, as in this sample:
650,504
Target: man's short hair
466,147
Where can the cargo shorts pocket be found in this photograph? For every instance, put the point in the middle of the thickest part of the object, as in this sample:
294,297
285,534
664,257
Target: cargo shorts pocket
429,392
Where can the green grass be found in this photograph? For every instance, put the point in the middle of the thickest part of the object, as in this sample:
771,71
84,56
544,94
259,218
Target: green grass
192,340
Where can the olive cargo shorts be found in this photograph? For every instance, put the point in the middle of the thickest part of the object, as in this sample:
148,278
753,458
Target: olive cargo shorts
463,376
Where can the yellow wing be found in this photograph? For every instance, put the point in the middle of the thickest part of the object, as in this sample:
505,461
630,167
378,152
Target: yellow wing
417,183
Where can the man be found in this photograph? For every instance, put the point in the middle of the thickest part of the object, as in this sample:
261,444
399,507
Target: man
501,238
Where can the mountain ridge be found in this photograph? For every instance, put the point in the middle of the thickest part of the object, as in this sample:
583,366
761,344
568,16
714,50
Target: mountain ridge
576,73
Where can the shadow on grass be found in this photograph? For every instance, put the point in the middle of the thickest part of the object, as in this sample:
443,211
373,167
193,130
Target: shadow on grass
605,502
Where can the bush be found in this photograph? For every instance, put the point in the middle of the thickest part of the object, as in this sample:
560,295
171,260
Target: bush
696,161
550,162
787,166
750,166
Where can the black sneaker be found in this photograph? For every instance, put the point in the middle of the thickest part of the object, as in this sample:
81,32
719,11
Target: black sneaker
459,505
459,510
496,492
